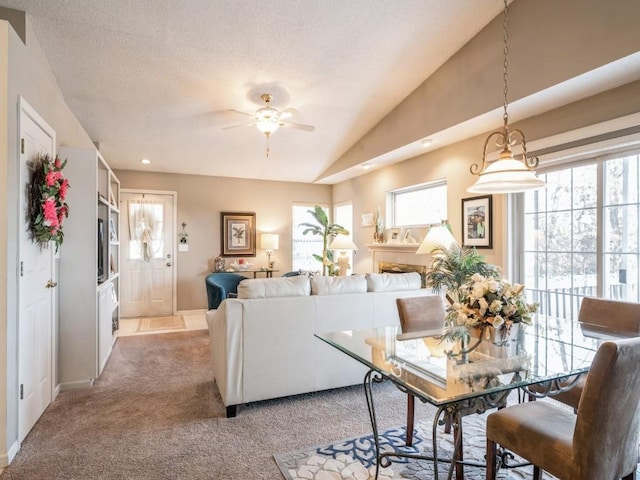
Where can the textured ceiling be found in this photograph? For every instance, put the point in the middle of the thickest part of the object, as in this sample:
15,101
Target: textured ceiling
156,78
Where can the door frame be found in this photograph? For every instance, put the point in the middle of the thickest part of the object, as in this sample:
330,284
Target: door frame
174,230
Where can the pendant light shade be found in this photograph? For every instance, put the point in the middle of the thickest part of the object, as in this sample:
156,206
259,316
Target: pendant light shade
506,174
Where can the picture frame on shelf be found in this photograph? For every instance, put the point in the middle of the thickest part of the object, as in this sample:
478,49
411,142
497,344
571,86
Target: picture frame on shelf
477,221
393,236
238,234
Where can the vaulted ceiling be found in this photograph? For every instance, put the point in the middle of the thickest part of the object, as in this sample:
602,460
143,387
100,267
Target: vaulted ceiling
157,79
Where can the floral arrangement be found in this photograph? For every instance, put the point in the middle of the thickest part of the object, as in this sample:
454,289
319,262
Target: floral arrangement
485,301
48,191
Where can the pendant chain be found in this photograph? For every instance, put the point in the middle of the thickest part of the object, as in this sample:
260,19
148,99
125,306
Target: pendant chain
506,63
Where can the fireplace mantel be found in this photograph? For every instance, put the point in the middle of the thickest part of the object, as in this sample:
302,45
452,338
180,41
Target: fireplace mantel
393,247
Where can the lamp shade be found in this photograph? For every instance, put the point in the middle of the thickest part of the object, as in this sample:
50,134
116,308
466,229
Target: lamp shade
342,243
269,241
506,175
438,236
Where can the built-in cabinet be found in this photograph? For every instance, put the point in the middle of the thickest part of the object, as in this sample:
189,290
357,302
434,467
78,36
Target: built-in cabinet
89,268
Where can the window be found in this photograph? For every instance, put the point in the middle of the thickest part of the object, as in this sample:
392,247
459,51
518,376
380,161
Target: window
304,246
343,215
581,235
424,204
146,227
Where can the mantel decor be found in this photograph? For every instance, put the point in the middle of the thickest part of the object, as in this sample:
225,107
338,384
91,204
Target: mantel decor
477,222
238,234
47,206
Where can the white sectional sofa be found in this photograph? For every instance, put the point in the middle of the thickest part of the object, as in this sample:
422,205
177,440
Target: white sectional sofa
263,344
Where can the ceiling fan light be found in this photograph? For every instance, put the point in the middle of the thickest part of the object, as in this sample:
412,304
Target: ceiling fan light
267,125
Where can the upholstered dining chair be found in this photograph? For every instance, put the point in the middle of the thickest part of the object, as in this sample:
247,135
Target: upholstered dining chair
600,315
419,316
599,443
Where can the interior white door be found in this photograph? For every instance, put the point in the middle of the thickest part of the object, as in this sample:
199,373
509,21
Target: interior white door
36,286
146,244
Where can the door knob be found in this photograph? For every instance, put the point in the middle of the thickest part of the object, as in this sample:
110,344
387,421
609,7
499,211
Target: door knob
168,264
51,284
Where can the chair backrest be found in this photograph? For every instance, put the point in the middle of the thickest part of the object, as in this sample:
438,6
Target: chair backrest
610,315
605,440
419,315
220,285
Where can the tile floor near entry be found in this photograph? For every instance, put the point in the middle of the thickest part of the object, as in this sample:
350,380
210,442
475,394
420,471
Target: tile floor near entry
192,321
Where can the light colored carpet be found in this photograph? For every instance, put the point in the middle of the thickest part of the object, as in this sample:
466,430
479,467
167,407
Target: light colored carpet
155,413
154,324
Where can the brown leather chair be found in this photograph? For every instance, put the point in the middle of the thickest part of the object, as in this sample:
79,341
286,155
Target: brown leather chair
599,443
419,316
602,316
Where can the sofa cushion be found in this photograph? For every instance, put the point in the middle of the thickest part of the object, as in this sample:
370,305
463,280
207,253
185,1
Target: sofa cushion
274,287
393,282
323,285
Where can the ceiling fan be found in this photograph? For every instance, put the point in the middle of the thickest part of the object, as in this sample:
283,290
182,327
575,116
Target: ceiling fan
268,119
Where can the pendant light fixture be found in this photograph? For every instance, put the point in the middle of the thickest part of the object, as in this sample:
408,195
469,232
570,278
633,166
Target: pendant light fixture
506,174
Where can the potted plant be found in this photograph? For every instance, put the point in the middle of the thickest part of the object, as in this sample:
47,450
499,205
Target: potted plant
327,231
452,266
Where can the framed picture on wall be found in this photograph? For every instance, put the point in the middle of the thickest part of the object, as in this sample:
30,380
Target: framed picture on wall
238,231
477,222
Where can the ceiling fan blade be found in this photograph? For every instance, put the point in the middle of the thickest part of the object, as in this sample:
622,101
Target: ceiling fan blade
238,126
241,113
288,113
299,126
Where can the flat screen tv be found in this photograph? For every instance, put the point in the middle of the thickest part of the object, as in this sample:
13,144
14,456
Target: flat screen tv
101,251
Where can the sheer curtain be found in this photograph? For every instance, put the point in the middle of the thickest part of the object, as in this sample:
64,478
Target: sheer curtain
145,229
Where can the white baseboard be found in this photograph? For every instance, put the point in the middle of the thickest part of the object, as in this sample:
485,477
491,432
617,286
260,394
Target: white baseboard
7,458
191,312
67,386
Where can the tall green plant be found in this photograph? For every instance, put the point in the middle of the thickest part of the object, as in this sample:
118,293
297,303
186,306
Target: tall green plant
453,266
327,231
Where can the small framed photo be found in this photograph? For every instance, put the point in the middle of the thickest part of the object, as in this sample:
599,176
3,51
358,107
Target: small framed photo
393,235
477,222
238,234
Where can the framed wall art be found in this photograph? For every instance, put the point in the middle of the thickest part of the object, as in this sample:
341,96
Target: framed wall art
477,222
238,231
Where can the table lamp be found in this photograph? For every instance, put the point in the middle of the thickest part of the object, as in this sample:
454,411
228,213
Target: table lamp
342,244
437,237
269,242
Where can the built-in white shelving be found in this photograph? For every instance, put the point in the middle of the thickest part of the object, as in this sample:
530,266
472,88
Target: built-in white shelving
89,268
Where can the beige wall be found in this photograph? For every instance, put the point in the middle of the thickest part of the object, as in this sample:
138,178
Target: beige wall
452,163
28,75
200,201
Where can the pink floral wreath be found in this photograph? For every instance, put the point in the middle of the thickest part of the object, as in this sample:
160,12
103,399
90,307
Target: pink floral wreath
48,191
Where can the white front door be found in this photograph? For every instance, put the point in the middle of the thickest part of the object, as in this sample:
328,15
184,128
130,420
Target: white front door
147,263
36,286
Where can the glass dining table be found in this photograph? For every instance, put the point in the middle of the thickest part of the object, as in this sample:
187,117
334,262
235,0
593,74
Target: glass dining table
540,359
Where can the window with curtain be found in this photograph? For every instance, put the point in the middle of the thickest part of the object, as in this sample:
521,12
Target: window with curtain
343,215
146,229
581,235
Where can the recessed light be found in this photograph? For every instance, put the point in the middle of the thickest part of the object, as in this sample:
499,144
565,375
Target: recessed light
425,142
146,161
366,165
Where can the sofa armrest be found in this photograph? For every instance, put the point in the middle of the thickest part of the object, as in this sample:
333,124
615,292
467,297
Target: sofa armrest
225,333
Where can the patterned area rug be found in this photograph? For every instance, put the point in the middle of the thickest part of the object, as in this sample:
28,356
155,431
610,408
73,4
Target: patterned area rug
354,459
154,324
